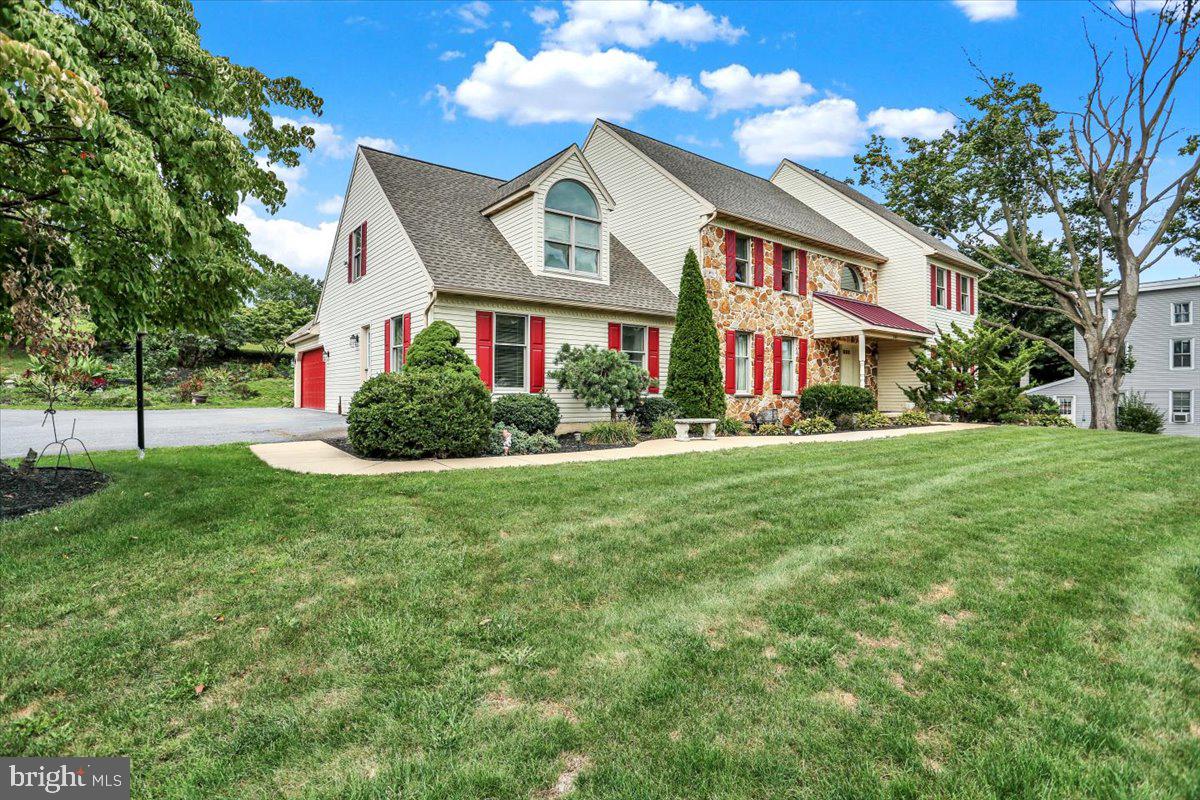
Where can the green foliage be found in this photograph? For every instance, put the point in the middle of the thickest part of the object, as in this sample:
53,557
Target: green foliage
523,444
1136,415
771,429
280,284
436,347
652,409
731,426
694,380
601,378
268,322
975,374
1036,419
1042,404
833,399
815,424
531,413
438,407
662,428
870,421
623,432
912,419
113,142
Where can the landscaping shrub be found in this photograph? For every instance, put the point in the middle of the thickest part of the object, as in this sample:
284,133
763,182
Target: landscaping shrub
1042,404
845,422
816,424
1135,415
833,399
871,421
436,347
652,409
531,413
730,426
522,443
912,419
601,378
694,380
379,390
612,433
662,428
1037,420
771,429
192,386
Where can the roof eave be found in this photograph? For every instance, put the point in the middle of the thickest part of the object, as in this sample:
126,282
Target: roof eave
466,291
873,258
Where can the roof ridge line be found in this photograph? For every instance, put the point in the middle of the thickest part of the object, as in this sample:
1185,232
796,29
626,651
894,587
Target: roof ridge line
435,164
692,153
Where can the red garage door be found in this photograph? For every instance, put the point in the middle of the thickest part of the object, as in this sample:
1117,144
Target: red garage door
312,379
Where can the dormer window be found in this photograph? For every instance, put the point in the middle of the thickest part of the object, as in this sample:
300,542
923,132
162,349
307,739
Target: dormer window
851,280
572,229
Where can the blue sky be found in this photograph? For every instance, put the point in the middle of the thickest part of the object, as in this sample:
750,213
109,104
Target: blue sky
496,87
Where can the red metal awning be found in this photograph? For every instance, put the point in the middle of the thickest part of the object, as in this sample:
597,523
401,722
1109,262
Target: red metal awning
871,314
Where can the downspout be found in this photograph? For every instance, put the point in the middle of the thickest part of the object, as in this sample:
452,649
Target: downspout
428,308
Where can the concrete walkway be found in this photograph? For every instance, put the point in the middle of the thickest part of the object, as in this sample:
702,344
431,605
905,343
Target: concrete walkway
325,459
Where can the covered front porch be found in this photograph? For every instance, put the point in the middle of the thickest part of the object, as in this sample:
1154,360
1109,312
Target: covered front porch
863,344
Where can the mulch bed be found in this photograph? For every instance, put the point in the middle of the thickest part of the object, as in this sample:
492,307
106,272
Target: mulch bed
45,488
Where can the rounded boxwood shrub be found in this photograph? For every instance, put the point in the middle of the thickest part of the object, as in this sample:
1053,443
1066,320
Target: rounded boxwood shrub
531,413
1135,415
379,390
832,400
815,424
652,409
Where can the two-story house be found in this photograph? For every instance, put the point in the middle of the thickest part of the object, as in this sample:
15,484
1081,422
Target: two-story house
809,281
1163,341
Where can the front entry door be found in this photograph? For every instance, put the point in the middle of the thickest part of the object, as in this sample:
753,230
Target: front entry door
849,368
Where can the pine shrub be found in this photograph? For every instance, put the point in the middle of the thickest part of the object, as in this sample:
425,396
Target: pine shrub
694,380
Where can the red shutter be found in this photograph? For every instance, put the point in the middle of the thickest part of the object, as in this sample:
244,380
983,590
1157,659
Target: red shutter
971,286
932,285
614,336
483,346
759,353
802,271
652,358
350,258
777,365
730,256
777,272
758,262
958,279
537,354
407,333
363,260
730,364
387,345
802,365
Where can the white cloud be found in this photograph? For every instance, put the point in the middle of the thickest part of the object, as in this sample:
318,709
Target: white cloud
450,55
829,128
445,99
544,15
734,87
237,125
331,205
639,23
304,248
473,15
923,123
568,86
365,22
987,10
380,143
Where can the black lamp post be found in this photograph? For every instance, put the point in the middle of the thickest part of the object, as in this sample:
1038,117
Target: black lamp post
141,405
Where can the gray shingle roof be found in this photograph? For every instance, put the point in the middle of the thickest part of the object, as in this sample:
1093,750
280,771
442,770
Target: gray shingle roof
939,247
746,196
525,179
463,251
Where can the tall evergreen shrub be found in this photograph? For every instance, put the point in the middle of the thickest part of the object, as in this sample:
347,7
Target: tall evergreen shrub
694,380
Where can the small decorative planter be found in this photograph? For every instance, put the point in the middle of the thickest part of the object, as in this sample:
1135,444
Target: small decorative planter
199,399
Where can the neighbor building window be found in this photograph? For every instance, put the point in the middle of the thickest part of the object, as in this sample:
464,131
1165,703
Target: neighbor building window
787,272
741,260
397,334
1181,405
1181,354
943,287
787,365
509,367
851,280
1181,313
356,253
1066,405
572,235
742,362
633,343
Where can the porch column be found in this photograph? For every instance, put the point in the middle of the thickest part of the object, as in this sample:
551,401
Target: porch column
862,360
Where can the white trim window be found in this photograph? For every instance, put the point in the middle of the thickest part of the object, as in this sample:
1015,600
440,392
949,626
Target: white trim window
741,260
397,334
572,230
964,293
511,342
1181,353
1066,405
633,343
787,365
1181,405
1181,312
356,254
943,287
787,272
743,362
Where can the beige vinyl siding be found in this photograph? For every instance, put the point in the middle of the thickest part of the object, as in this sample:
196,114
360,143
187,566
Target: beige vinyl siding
396,283
570,169
654,217
516,224
576,327
893,372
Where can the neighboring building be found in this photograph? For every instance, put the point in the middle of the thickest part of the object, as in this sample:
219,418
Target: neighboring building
809,281
1163,338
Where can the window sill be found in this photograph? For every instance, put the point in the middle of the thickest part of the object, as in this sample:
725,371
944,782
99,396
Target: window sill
509,390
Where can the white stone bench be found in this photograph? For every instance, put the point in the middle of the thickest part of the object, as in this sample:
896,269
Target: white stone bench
682,426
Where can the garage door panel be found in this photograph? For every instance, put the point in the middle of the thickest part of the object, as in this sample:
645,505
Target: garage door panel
312,379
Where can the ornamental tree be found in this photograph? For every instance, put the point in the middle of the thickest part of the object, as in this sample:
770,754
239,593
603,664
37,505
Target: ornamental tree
114,147
694,381
1117,178
269,322
601,378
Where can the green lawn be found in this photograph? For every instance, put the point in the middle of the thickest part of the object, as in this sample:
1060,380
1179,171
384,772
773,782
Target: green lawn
999,613
270,393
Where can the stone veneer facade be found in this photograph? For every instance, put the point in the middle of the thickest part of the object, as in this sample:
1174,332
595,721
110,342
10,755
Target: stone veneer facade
766,310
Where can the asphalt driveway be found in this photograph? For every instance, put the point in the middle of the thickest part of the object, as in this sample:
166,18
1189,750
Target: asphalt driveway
117,430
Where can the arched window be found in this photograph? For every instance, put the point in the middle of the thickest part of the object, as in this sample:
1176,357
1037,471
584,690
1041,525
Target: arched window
851,280
572,229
